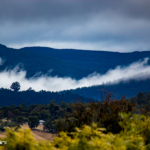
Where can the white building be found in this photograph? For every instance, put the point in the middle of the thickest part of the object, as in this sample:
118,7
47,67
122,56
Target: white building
41,121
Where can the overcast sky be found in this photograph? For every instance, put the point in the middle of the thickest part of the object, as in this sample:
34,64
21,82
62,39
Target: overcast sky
112,25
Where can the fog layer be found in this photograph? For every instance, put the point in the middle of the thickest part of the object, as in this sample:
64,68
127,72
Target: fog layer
137,71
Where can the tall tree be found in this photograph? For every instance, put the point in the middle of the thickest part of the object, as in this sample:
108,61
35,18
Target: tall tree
33,122
15,86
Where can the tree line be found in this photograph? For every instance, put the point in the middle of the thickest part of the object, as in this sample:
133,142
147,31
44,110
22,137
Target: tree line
66,116
10,97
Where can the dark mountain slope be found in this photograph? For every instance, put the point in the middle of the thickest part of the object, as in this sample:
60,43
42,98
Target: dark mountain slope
2,46
100,61
34,63
128,89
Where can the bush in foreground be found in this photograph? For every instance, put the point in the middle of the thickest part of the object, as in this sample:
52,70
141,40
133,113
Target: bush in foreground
134,136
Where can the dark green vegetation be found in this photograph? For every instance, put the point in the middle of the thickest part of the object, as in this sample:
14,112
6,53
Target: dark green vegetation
134,135
76,64
67,116
34,63
106,113
129,89
99,61
9,97
33,121
5,124
15,86
33,113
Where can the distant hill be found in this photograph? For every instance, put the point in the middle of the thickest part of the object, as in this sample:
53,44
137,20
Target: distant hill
99,61
2,46
35,62
66,62
75,64
128,89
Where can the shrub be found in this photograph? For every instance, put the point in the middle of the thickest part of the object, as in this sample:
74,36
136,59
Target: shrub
5,124
105,114
33,121
20,120
23,140
134,136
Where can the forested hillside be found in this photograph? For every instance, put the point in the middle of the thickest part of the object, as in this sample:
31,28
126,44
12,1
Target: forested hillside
128,89
9,97
72,63
34,63
99,61
75,64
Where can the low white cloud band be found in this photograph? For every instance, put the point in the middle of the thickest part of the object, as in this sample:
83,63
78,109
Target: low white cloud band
137,71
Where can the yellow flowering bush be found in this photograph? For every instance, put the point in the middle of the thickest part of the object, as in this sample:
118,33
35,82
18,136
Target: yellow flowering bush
135,136
23,140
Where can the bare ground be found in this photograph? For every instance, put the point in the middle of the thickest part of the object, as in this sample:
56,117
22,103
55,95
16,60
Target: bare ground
2,135
38,133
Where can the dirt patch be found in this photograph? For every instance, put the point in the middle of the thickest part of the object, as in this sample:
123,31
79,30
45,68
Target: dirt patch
37,137
2,135
39,127
39,134
44,135
24,126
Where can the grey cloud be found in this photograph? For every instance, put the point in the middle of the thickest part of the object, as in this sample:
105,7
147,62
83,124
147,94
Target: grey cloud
123,25
18,10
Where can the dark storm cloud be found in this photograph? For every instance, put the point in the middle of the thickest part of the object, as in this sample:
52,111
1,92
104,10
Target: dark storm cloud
22,10
117,25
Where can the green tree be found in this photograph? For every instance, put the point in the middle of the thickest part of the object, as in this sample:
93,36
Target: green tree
20,120
10,115
15,86
33,121
44,114
1,114
50,125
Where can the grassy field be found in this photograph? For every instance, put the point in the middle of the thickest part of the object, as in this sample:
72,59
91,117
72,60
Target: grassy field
38,133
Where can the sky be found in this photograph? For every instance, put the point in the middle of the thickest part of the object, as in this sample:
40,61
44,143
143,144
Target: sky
109,25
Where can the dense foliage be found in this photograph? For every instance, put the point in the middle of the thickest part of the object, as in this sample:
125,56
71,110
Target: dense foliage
134,136
67,116
105,114
110,124
33,113
99,61
33,121
130,89
4,124
9,97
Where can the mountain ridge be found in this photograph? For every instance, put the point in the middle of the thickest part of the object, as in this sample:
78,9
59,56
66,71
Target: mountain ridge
2,46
